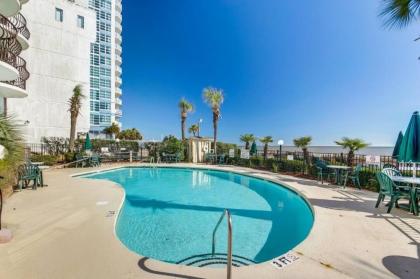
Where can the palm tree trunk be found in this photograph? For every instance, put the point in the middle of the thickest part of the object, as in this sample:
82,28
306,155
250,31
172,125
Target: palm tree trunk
215,119
265,151
350,157
247,145
72,132
183,127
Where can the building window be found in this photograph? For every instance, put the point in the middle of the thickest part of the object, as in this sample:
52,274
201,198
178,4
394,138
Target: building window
80,22
58,14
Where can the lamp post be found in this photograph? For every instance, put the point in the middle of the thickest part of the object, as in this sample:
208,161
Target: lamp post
199,127
280,143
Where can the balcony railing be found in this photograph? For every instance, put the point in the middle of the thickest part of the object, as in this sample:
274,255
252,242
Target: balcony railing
9,51
19,21
23,74
7,28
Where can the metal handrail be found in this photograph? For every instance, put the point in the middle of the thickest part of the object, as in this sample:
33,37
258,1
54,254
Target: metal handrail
229,248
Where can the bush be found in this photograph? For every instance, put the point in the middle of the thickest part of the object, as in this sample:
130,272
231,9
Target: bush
97,144
223,148
172,145
48,160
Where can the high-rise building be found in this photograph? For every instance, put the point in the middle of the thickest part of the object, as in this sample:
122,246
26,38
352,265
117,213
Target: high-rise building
14,36
58,59
105,66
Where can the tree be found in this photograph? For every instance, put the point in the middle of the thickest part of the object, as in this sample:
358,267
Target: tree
353,145
214,98
247,139
185,108
266,140
400,13
193,129
75,106
303,143
130,134
113,130
13,154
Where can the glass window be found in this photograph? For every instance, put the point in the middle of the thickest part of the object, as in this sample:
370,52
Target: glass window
59,14
80,22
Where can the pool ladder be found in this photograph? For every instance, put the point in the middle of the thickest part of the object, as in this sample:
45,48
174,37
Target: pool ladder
229,246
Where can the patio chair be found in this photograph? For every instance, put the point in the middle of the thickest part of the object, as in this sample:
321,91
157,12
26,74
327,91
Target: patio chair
222,159
95,161
390,189
79,162
26,174
323,170
354,176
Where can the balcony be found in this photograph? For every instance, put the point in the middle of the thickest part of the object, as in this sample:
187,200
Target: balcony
118,39
118,113
118,27
118,92
118,49
10,7
9,51
7,28
118,60
118,6
23,34
118,17
118,71
16,88
118,101
118,81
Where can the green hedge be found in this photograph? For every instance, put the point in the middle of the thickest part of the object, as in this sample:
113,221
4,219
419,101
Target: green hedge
367,177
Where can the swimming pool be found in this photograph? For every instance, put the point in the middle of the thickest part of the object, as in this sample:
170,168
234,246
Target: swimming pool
169,214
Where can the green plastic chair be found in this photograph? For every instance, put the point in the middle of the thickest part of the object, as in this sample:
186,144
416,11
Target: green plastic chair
390,189
323,170
354,176
221,159
95,161
26,174
82,164
416,200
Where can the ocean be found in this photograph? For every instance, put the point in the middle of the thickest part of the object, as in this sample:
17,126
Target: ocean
371,150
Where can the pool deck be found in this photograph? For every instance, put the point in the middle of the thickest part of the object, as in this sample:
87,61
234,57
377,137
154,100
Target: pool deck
66,230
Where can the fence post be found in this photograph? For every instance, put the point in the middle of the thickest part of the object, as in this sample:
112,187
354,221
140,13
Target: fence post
131,156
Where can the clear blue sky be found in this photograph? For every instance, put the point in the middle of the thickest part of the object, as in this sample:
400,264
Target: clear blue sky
324,68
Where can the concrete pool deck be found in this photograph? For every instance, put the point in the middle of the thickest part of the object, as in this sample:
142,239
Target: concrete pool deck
66,230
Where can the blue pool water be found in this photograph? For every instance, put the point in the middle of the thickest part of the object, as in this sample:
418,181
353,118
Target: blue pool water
169,213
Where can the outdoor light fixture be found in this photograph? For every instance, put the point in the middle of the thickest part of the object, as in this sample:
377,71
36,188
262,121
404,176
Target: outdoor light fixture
280,143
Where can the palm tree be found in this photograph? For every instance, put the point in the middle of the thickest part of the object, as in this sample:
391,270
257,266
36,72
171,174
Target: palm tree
193,129
75,106
303,143
400,13
214,98
113,130
353,145
12,141
247,139
266,140
185,108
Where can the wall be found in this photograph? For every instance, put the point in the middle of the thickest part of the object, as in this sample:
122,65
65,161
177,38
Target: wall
58,59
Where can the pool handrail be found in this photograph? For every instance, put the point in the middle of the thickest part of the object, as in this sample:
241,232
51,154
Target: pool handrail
229,248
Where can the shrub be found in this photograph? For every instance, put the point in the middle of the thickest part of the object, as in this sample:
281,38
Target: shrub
223,148
172,145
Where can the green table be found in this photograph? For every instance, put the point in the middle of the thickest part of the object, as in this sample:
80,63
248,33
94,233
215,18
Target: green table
339,170
412,181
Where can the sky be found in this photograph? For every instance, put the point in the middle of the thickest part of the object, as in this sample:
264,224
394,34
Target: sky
326,68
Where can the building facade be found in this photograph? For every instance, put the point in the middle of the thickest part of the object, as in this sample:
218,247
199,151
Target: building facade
58,59
105,66
14,36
